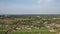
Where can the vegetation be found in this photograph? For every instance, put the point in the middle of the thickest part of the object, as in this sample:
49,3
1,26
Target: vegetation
20,24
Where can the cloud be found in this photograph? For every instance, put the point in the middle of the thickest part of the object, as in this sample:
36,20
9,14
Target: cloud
43,1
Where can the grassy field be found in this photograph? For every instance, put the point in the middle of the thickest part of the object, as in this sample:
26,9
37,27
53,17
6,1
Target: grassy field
33,31
29,32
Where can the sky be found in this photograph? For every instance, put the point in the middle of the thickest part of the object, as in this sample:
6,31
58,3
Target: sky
29,6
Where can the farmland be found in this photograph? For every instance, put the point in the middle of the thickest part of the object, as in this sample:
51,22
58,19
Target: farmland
29,24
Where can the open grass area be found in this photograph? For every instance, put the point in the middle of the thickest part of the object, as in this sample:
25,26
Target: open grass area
33,31
27,32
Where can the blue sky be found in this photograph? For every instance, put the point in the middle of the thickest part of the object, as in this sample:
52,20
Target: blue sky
29,6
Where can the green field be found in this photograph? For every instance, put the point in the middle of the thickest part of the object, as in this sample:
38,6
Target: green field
29,32
32,31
